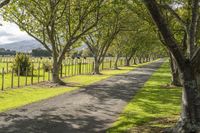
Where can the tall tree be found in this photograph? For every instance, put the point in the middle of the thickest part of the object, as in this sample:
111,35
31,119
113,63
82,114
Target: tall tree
107,29
188,64
56,24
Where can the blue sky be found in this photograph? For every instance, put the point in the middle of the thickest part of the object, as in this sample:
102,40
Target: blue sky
10,32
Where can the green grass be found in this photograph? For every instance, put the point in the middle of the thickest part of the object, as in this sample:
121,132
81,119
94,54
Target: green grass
12,98
152,107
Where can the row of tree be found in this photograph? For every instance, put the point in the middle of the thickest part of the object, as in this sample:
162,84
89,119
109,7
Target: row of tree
123,27
62,25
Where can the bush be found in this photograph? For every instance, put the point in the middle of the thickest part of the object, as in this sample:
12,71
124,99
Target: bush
47,66
22,62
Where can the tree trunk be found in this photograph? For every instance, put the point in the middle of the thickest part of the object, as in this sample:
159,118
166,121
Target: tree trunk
134,61
175,72
127,63
190,116
55,73
96,66
116,62
140,60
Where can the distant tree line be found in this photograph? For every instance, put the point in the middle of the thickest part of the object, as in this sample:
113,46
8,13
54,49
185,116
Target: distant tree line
35,52
40,53
7,52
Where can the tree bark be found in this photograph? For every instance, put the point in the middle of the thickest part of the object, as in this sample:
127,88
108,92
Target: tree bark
96,66
116,62
175,72
127,61
55,73
190,116
135,61
140,60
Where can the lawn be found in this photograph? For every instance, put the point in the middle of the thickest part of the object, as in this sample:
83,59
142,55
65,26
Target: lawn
12,98
155,106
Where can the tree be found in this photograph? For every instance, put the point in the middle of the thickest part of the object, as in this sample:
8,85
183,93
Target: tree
56,24
40,53
107,29
188,64
116,49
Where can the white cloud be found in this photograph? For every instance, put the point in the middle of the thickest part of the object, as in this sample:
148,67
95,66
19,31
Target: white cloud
10,32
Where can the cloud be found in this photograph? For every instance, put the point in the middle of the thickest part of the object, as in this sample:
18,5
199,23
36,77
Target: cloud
10,32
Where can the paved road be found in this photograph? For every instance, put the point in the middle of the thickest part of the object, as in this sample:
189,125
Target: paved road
88,110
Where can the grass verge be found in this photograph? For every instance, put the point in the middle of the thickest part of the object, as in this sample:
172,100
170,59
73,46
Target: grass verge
155,107
13,98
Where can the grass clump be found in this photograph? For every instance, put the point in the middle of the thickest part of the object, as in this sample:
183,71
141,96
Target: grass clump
21,64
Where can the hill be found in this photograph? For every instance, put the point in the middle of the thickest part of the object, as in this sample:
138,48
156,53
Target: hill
22,46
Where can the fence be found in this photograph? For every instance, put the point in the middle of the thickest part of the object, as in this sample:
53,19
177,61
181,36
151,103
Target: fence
69,67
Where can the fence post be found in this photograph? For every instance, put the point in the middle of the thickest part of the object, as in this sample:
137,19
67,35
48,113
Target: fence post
93,66
18,74
72,67
32,74
2,87
75,69
43,75
49,75
7,67
12,78
68,68
61,70
65,70
80,68
26,76
38,73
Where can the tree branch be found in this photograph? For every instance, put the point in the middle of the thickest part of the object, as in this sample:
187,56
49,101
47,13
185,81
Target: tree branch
4,2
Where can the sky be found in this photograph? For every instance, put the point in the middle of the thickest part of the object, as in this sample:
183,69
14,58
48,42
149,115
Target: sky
10,32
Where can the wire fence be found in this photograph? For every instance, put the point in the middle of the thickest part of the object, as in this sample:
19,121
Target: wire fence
9,78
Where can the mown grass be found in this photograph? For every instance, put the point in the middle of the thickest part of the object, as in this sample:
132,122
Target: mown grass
155,106
12,98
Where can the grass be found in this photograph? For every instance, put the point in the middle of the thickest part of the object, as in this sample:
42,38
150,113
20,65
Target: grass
13,98
155,107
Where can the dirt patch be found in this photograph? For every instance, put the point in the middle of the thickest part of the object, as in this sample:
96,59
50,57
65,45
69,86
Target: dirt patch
49,84
168,86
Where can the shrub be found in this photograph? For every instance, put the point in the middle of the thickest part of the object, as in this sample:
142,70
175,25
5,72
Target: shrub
22,62
47,66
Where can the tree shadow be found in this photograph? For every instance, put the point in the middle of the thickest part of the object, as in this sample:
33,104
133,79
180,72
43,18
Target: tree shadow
88,110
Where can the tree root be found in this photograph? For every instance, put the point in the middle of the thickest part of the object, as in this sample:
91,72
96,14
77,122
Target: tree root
184,126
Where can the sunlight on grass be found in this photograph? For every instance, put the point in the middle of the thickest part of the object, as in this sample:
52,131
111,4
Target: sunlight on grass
12,98
152,102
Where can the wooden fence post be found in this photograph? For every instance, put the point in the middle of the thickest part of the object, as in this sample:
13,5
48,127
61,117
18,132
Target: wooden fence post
18,74
6,67
12,78
2,87
43,75
26,76
32,74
